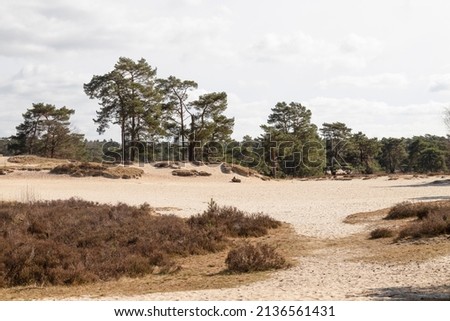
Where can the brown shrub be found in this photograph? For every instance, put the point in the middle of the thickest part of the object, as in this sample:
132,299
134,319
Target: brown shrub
381,233
233,222
434,224
124,172
252,258
408,210
75,241
43,262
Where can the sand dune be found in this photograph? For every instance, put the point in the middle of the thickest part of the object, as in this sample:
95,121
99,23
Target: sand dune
315,208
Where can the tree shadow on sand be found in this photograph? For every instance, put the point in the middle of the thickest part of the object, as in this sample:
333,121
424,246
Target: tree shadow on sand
436,183
431,198
435,293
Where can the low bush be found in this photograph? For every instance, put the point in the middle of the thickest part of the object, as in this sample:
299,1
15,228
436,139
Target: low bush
252,258
381,233
233,222
409,209
434,224
75,241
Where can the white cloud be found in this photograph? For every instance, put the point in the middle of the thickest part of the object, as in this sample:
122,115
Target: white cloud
47,28
43,82
352,52
249,115
50,48
439,83
193,2
380,81
378,118
356,44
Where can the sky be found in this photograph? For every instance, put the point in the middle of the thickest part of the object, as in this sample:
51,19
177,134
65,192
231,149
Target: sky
381,67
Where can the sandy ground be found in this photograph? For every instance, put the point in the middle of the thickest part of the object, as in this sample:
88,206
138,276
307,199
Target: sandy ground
314,208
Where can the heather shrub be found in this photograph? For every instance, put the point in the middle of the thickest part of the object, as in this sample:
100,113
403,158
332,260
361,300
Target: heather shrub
434,224
251,258
381,233
409,209
42,262
233,222
75,241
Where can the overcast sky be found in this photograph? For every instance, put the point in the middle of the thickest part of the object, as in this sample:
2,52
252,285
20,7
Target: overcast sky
382,67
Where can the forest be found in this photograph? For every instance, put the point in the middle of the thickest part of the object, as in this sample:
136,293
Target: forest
159,120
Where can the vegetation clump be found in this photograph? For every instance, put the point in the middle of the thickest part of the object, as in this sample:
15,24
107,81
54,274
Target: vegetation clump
96,170
254,258
381,233
233,222
434,224
189,172
409,210
74,241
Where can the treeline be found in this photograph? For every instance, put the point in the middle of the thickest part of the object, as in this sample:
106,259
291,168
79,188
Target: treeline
292,146
160,120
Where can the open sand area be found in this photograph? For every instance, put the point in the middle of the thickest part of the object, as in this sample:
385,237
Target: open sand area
315,208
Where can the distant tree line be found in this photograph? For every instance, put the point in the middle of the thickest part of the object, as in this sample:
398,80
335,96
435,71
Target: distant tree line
291,146
160,119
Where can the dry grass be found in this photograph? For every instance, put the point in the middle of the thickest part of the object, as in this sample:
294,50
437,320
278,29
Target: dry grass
32,163
34,160
392,249
189,172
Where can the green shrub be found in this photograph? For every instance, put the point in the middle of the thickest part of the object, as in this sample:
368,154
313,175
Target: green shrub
252,258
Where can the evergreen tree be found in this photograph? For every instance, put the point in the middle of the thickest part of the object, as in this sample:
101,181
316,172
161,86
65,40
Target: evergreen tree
129,98
366,150
176,108
46,132
291,143
337,139
393,154
208,124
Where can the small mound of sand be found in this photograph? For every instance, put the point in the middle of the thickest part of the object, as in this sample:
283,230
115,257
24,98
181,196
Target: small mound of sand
5,171
123,172
243,171
173,165
189,172
96,170
34,160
